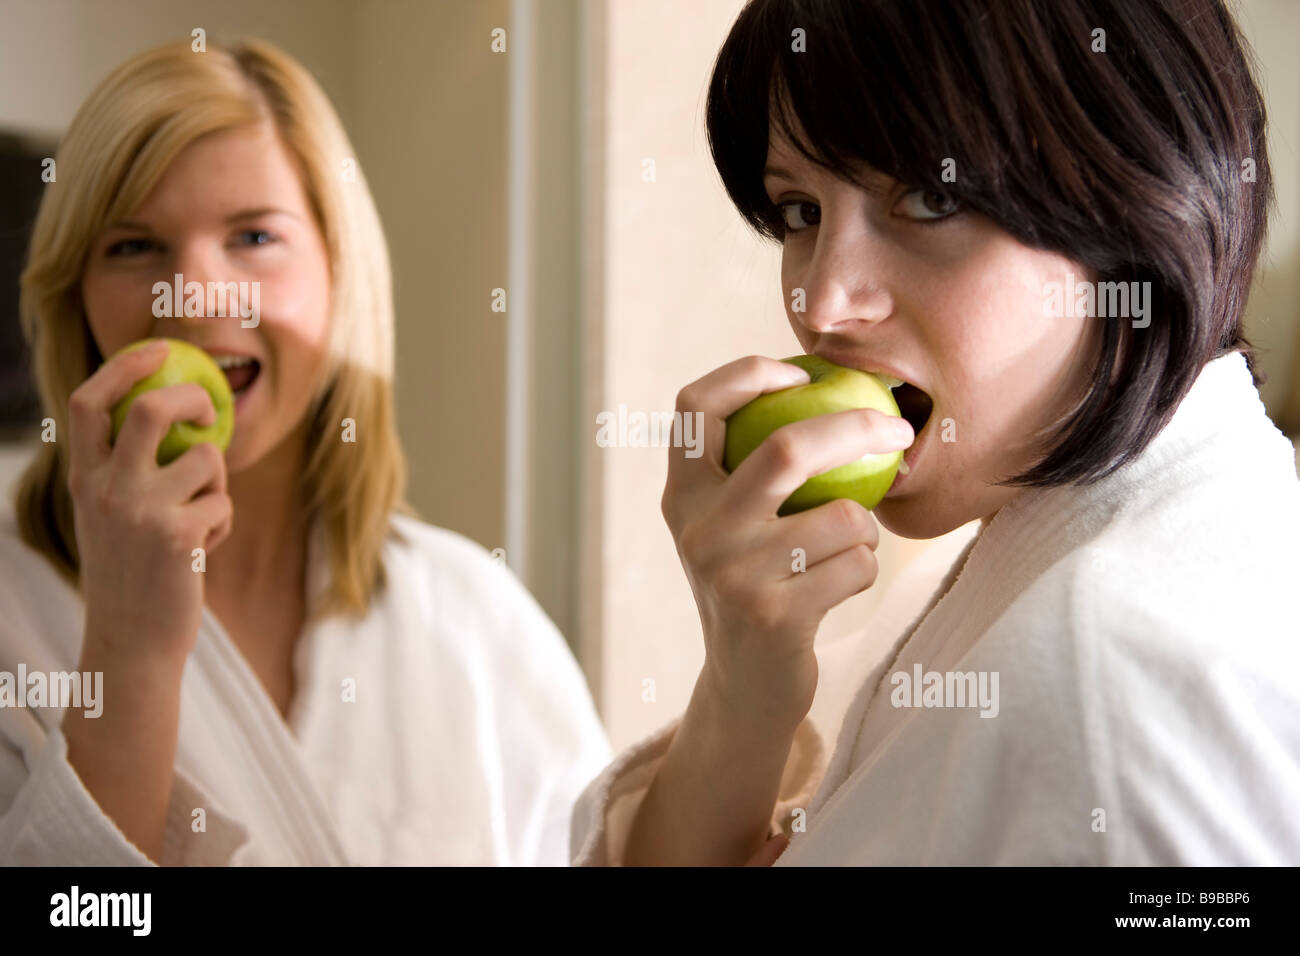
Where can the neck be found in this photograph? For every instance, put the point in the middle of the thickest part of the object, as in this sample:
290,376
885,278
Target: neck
268,539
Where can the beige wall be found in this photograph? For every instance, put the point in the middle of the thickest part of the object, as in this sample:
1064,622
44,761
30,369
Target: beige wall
431,129
52,52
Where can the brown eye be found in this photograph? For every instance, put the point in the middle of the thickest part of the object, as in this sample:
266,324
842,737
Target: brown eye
800,214
927,204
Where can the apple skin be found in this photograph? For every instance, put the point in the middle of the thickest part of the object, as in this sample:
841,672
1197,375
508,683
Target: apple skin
184,363
833,388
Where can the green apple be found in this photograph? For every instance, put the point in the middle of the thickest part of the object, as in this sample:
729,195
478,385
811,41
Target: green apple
184,363
833,388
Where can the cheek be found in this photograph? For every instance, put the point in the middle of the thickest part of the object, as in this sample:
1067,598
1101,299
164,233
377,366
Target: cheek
806,336
296,303
1040,350
1017,365
296,319
119,309
791,271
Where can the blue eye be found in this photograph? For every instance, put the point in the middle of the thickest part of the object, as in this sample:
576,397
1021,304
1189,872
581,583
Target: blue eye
806,213
128,247
260,237
927,205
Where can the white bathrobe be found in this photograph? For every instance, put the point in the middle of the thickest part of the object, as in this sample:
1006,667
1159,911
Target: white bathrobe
450,726
1145,634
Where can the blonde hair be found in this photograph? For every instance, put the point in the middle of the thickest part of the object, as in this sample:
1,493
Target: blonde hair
119,145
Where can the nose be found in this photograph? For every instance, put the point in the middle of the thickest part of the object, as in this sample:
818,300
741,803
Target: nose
202,261
843,282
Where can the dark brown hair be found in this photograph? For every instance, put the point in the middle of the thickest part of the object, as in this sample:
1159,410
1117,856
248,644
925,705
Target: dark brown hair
1132,161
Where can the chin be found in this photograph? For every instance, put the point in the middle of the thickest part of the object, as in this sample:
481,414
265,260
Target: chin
913,516
237,459
244,452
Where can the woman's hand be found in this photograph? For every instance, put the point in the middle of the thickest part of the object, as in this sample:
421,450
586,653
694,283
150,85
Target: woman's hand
712,798
137,524
758,613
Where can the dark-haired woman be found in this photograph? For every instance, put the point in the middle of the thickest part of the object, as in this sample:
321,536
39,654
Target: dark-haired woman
1044,219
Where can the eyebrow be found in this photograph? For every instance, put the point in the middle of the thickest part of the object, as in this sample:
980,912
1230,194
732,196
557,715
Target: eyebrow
239,216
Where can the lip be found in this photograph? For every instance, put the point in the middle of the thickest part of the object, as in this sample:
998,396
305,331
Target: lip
849,361
214,352
242,398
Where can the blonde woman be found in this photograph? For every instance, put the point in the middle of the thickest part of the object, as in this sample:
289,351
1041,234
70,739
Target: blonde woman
343,684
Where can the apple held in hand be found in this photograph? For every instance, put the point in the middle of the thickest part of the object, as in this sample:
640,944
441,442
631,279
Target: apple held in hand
184,363
833,388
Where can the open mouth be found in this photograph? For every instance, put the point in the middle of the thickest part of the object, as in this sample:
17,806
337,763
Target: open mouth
241,371
914,404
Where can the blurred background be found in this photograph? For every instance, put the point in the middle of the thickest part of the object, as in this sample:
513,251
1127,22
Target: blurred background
572,171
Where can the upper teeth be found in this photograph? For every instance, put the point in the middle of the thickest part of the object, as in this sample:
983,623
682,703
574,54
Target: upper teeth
890,380
231,361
